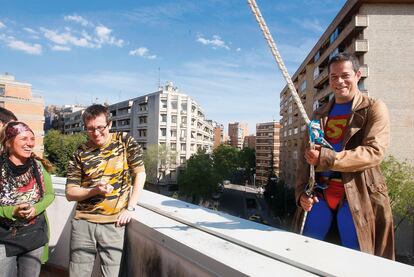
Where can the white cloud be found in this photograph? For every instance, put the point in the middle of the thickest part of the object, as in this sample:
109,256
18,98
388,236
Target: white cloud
67,39
238,49
142,52
78,19
216,42
60,48
2,25
104,36
30,30
15,44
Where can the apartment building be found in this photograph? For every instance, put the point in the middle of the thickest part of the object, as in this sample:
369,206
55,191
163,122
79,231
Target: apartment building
237,131
218,130
55,116
379,34
166,117
28,107
249,142
267,151
72,122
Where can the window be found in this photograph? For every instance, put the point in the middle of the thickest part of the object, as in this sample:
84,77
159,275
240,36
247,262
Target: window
295,154
334,36
124,122
164,104
163,118
173,146
183,147
174,105
183,133
316,73
163,132
2,90
182,160
361,85
143,107
183,119
334,53
142,133
184,106
142,119
173,119
303,86
316,57
173,133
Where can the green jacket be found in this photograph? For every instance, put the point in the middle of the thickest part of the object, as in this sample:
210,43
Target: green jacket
48,197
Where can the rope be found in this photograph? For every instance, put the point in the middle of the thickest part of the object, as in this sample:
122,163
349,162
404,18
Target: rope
276,55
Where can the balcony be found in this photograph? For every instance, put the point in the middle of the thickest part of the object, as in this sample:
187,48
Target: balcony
364,71
360,21
168,237
323,76
360,46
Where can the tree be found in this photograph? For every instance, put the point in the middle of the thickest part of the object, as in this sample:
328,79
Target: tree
399,177
280,198
158,157
199,179
247,161
59,148
226,161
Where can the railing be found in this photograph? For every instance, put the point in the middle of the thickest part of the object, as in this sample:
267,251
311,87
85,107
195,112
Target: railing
168,237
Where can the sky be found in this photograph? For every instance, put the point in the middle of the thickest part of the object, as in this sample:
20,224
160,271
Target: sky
80,52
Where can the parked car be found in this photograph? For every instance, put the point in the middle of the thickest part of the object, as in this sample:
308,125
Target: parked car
256,218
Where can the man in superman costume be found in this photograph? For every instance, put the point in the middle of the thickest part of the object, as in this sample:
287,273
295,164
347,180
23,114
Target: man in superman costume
350,189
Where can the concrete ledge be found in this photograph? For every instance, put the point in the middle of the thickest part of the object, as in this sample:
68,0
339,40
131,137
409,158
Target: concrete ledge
168,237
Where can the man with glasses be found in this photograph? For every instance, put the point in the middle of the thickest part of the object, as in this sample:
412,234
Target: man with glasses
105,177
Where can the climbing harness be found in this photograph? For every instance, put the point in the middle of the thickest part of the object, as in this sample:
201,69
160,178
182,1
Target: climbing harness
314,127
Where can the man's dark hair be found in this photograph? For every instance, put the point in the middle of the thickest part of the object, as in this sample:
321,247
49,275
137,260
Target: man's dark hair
6,116
94,111
343,57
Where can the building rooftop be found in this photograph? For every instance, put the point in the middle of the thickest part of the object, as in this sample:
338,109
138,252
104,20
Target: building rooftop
169,236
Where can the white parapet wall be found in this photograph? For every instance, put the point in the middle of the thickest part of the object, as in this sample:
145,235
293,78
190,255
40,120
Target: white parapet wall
168,237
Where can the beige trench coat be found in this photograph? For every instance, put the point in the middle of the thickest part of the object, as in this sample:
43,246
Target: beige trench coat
365,142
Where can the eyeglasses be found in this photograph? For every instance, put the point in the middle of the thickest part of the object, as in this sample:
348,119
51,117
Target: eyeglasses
100,129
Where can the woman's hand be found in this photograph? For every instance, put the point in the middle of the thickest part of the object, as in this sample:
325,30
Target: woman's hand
24,211
29,213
